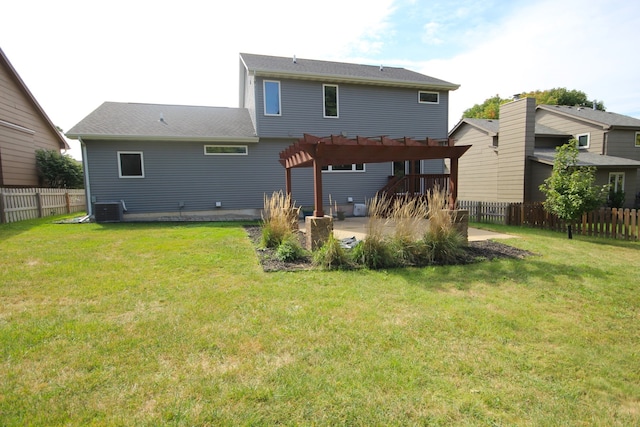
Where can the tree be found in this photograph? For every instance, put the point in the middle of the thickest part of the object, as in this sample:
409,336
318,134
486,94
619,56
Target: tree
570,191
58,171
490,108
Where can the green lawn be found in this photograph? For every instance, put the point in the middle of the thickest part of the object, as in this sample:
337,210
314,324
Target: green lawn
177,324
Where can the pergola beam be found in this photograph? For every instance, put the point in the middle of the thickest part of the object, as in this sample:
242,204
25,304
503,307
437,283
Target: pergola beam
316,152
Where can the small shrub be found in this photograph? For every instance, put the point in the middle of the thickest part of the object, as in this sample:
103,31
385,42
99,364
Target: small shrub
374,253
290,249
332,256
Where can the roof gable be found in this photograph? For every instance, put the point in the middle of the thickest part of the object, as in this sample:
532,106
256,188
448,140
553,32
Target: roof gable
310,69
4,62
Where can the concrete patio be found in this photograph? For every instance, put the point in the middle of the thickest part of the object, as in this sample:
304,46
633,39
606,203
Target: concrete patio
357,227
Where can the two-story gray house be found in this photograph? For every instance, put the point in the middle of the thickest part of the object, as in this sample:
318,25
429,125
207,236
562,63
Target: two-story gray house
511,157
171,160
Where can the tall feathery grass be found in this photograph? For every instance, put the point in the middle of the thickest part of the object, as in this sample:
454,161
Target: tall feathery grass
444,243
279,219
410,231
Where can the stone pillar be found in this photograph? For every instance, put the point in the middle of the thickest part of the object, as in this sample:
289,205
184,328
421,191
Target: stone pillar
317,230
461,222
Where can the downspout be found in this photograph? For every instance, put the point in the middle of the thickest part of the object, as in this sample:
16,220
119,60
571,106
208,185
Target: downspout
85,170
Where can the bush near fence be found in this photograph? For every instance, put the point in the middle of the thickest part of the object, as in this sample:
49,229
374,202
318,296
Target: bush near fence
623,224
18,204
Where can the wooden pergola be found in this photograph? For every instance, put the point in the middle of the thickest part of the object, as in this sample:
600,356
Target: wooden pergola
317,152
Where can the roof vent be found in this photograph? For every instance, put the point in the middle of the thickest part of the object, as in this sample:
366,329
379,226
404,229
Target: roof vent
381,68
295,61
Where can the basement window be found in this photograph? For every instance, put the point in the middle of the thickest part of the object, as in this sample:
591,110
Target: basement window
428,97
130,164
356,167
226,150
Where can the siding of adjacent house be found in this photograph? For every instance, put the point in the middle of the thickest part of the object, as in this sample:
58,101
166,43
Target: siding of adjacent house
621,143
574,127
180,172
363,110
478,168
23,130
517,139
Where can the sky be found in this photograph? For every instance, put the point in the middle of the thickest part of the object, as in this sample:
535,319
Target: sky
75,55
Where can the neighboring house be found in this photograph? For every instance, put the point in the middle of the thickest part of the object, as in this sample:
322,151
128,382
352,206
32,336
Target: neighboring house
511,157
24,128
168,160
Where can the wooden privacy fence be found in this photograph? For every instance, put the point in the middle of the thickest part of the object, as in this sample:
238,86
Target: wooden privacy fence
487,212
623,224
18,204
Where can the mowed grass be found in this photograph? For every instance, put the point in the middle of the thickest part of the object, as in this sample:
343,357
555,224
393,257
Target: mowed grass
177,324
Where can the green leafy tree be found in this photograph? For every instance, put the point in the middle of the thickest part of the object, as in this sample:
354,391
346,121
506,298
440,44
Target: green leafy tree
57,170
570,191
490,108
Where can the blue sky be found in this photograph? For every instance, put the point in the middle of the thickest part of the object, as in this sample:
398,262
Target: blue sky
76,54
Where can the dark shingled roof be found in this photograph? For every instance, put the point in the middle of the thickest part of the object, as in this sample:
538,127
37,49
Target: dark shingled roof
585,158
275,66
604,118
492,127
113,120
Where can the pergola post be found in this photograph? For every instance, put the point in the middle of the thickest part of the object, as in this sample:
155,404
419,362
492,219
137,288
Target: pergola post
453,183
317,189
288,181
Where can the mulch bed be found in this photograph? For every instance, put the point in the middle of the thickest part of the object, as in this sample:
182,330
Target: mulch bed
476,251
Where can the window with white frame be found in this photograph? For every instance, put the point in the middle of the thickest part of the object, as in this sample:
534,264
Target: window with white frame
272,106
330,100
425,97
637,139
616,181
583,140
356,167
130,164
226,150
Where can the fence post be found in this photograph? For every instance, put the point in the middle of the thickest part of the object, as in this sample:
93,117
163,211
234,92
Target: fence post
3,214
67,199
39,204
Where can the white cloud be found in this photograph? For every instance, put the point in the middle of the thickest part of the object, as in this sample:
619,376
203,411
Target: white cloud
431,33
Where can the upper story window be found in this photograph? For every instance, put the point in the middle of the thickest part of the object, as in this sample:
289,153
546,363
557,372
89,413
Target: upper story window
425,97
226,150
583,140
638,139
272,98
130,164
356,167
330,100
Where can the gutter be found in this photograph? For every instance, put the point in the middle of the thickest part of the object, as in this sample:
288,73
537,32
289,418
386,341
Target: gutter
85,170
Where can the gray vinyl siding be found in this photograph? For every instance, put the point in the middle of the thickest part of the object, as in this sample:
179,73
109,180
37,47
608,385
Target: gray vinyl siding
180,172
538,172
478,167
363,110
573,127
621,143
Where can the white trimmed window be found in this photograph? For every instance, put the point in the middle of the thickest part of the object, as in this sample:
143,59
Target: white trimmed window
583,140
425,97
637,139
130,164
356,167
330,101
272,105
616,181
226,150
